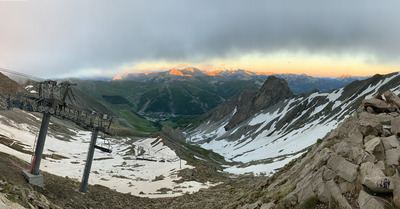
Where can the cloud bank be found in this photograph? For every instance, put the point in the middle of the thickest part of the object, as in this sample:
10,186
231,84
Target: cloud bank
75,38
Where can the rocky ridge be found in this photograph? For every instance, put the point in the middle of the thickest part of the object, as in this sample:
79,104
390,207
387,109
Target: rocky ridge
249,102
354,166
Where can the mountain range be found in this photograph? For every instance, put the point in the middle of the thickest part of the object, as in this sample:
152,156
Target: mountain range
299,83
324,148
177,96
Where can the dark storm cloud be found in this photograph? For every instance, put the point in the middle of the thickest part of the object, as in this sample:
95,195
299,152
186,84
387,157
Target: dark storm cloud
56,37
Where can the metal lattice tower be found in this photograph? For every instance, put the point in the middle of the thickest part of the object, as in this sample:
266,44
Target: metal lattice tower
49,97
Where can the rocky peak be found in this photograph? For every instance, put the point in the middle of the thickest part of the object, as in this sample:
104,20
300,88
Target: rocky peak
272,91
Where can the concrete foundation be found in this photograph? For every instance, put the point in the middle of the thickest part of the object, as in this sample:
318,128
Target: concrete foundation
37,180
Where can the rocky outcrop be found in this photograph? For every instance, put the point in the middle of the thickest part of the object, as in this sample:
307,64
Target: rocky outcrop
350,166
395,123
367,201
273,91
16,197
342,167
7,204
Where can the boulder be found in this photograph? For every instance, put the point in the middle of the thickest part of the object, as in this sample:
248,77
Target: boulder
392,98
381,165
337,194
328,174
375,147
342,167
372,144
392,157
369,169
395,126
384,117
366,201
369,125
321,156
374,178
369,158
342,148
319,187
344,129
396,190
390,142
368,138
355,137
304,188
378,105
379,184
357,155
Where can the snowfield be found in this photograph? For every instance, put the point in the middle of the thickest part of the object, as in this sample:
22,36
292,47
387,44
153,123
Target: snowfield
121,170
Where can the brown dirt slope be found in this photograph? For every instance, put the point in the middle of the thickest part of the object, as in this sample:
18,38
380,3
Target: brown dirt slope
8,86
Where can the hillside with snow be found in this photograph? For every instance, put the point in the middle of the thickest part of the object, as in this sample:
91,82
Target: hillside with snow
269,138
142,167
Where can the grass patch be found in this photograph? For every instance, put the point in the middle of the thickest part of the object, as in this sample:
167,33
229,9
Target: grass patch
319,141
16,194
12,198
309,203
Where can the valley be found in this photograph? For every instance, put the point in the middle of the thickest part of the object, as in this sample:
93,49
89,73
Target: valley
178,97
199,104
235,149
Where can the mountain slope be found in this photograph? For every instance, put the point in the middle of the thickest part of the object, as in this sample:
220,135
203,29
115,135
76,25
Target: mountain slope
354,166
270,137
9,86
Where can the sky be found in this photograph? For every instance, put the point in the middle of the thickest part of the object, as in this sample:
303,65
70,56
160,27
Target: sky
103,38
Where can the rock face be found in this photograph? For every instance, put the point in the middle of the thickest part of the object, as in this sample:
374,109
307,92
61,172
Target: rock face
349,166
342,167
273,91
367,201
395,122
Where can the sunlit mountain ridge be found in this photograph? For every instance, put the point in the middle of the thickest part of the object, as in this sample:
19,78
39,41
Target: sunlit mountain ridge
221,73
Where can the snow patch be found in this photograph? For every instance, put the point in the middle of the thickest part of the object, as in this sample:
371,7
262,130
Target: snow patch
120,170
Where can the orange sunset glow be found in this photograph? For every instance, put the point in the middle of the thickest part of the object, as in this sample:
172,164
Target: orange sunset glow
319,66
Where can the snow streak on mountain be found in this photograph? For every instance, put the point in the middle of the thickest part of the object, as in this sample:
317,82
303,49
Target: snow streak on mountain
266,139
